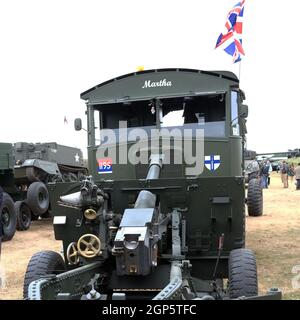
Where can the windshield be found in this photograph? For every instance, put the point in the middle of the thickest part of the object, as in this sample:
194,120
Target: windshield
136,114
207,112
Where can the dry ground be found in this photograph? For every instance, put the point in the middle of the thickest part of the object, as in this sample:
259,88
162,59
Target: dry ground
274,237
17,252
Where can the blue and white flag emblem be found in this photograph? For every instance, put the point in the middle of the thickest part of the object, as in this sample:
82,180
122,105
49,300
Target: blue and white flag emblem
212,162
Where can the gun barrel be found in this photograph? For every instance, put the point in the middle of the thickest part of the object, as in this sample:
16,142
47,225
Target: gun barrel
153,172
146,199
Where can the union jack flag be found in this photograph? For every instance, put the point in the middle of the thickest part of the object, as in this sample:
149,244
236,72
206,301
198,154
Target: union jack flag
231,39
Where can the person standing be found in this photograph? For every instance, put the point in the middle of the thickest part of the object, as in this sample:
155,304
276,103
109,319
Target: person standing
264,173
291,172
297,176
1,227
284,174
278,167
2,271
270,171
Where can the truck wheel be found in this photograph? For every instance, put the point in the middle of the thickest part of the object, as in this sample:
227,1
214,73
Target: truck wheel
255,198
242,274
38,198
42,264
8,217
23,215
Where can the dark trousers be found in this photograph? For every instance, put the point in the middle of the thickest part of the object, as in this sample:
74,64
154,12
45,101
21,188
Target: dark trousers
298,184
1,227
264,181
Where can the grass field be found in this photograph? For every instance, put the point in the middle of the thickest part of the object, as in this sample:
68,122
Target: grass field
274,237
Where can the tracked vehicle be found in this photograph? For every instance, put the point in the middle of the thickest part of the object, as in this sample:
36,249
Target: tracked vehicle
162,215
47,162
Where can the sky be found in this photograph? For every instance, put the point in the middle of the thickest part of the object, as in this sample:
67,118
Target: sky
51,51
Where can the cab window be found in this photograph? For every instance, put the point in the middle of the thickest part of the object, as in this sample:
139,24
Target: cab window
234,114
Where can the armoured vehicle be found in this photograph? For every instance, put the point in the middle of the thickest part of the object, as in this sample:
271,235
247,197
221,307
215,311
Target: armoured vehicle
47,162
253,185
158,224
32,166
7,210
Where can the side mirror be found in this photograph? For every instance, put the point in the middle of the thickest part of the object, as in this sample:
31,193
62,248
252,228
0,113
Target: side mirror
243,126
77,124
244,111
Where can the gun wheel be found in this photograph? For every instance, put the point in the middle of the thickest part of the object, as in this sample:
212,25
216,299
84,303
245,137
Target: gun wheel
89,246
72,253
41,265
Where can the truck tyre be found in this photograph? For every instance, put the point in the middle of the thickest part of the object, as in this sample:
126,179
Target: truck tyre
23,213
242,274
255,198
38,198
8,216
42,264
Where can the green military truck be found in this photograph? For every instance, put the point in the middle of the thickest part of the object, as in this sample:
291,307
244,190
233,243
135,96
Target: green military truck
162,215
7,210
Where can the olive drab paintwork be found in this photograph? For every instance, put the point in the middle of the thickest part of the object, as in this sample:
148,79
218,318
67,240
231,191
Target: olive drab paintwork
48,151
7,213
6,156
157,229
25,169
6,166
213,202
183,83
49,161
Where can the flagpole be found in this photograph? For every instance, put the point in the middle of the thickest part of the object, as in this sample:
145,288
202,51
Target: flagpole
240,68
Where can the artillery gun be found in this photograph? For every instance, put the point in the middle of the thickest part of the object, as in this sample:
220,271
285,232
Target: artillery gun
162,215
